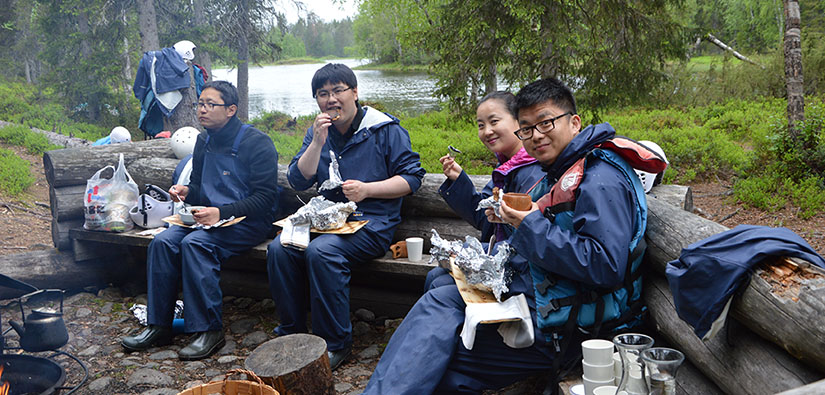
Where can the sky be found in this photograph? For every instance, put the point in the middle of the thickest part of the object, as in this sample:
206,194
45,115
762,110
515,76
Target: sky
326,9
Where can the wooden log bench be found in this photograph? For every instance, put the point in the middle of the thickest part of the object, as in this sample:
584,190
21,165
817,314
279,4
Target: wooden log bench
387,286
391,286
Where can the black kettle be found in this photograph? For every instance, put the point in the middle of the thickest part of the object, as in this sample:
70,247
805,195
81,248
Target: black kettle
43,329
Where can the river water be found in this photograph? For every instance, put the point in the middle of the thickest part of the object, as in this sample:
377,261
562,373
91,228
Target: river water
287,88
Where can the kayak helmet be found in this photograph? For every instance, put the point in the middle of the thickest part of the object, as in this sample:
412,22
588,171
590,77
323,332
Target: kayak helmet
152,206
183,141
119,134
649,180
186,49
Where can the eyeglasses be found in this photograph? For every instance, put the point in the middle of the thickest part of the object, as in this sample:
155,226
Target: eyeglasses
324,95
544,127
207,106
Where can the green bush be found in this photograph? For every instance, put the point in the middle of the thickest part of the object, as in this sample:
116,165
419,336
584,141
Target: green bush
22,136
15,176
808,195
432,133
760,191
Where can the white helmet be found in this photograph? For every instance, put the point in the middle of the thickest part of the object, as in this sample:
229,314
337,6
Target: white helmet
152,206
183,141
186,49
649,180
119,135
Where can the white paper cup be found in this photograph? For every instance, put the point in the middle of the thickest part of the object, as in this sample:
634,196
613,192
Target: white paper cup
597,351
415,248
577,389
590,385
598,372
605,390
617,367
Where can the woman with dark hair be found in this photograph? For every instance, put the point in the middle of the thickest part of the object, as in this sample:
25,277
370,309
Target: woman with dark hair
517,171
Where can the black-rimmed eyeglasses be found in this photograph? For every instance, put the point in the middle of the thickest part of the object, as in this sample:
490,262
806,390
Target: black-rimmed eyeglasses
324,95
208,106
544,127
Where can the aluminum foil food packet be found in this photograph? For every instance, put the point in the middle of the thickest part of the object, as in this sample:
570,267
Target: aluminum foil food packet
323,214
492,201
139,311
487,272
334,180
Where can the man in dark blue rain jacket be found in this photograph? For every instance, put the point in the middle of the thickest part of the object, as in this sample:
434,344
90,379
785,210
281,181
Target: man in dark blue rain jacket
378,167
586,245
234,174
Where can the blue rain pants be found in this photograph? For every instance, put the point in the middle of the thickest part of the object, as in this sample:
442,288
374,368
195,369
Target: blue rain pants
425,354
323,271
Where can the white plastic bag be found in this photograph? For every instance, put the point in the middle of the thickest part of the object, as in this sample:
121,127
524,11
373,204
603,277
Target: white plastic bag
107,200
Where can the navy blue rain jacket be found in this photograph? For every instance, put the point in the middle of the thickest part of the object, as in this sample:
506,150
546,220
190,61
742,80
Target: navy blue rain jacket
595,251
171,73
379,149
709,271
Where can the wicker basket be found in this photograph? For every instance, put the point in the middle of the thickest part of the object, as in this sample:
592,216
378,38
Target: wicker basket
233,387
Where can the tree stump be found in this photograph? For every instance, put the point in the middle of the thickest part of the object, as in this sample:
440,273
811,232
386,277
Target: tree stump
293,364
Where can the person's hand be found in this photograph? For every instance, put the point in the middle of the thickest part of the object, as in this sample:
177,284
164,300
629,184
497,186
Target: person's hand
178,192
451,169
355,190
320,129
207,216
514,217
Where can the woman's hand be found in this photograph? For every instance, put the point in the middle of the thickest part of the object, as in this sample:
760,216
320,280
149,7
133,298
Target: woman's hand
451,169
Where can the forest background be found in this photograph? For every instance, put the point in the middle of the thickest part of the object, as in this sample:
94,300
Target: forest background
647,67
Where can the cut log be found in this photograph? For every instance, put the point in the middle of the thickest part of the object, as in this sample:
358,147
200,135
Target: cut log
791,317
66,203
744,363
73,166
678,195
54,269
293,364
60,233
156,171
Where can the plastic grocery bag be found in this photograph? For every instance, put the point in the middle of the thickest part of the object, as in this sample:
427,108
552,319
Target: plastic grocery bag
107,200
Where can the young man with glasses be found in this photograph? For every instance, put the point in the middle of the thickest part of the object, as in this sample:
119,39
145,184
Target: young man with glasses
234,174
378,167
572,262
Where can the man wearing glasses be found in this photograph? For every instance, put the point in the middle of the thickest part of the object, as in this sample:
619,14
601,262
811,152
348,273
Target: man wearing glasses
573,263
234,174
378,168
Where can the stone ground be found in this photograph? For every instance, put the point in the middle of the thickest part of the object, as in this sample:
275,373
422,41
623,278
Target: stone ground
97,319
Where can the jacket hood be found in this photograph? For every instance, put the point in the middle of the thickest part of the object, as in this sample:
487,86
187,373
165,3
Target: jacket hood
520,159
581,144
374,118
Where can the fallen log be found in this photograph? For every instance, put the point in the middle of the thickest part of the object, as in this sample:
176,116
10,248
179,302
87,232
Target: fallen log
60,232
66,203
742,363
54,269
815,388
791,317
55,138
73,166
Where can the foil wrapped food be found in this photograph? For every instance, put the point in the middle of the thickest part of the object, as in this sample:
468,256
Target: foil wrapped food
139,311
323,214
494,201
482,271
334,180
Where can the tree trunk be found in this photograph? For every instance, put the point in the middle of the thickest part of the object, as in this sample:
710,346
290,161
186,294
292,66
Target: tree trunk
735,54
73,166
793,65
243,62
92,102
185,114
293,364
789,315
148,25
742,363
204,59
127,62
